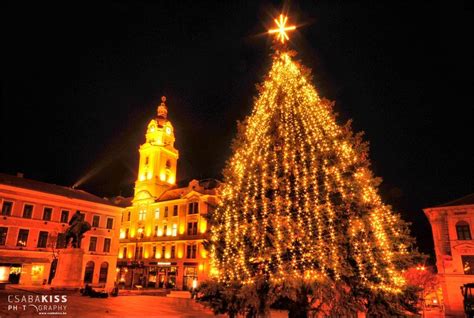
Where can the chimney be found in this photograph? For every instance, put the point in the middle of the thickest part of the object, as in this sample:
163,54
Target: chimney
20,174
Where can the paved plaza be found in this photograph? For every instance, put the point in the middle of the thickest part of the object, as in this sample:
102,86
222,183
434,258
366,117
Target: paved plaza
122,306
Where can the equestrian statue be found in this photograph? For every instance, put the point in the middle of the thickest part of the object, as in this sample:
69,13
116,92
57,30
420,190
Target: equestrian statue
77,227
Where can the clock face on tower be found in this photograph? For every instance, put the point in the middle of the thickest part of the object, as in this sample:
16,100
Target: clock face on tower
168,130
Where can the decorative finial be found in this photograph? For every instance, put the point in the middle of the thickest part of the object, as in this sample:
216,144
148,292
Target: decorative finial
282,28
162,111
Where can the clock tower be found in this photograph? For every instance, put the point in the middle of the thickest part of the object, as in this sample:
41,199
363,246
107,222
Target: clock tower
158,158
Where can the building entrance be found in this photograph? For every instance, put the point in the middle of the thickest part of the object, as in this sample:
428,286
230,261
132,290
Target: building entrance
190,275
165,277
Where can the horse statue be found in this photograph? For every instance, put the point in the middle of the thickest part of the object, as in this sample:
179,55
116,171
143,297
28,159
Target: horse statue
77,227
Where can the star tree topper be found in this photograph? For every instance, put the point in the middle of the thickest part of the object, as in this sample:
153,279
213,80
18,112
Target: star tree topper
282,28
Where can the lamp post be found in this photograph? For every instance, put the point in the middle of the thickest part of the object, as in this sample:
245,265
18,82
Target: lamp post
139,236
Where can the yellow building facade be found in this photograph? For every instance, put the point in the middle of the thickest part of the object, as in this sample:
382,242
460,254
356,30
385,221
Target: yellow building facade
163,228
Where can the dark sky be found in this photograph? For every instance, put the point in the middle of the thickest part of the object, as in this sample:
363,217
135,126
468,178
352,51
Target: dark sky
81,81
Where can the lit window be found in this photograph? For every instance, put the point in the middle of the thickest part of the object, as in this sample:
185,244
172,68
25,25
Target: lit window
175,230
22,237
157,213
468,264
142,215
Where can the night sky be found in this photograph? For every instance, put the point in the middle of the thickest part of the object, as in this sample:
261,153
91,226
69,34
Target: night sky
81,82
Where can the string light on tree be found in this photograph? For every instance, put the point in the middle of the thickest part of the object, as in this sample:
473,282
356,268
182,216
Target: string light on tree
299,200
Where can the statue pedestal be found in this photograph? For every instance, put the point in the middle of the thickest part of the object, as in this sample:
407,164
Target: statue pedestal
69,271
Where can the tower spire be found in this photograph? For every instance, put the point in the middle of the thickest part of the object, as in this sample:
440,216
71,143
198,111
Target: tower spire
162,111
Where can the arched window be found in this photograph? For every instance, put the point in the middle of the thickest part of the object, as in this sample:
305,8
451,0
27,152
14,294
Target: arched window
89,272
463,231
104,268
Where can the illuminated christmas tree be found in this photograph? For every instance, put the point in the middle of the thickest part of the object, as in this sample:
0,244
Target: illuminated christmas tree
300,203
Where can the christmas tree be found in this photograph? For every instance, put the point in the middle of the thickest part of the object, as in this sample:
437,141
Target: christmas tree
300,203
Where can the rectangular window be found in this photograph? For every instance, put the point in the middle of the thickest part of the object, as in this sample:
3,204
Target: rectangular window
175,210
95,221
163,251
22,237
193,208
126,233
7,208
27,211
463,231
154,252
64,216
3,235
107,245
125,252
157,213
165,230
191,251
174,230
139,252
47,212
61,240
104,269
42,239
192,228
141,215
166,212
468,264
173,251
110,223
129,215
93,244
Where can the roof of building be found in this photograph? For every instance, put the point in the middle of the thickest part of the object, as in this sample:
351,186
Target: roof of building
466,200
205,186
20,182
